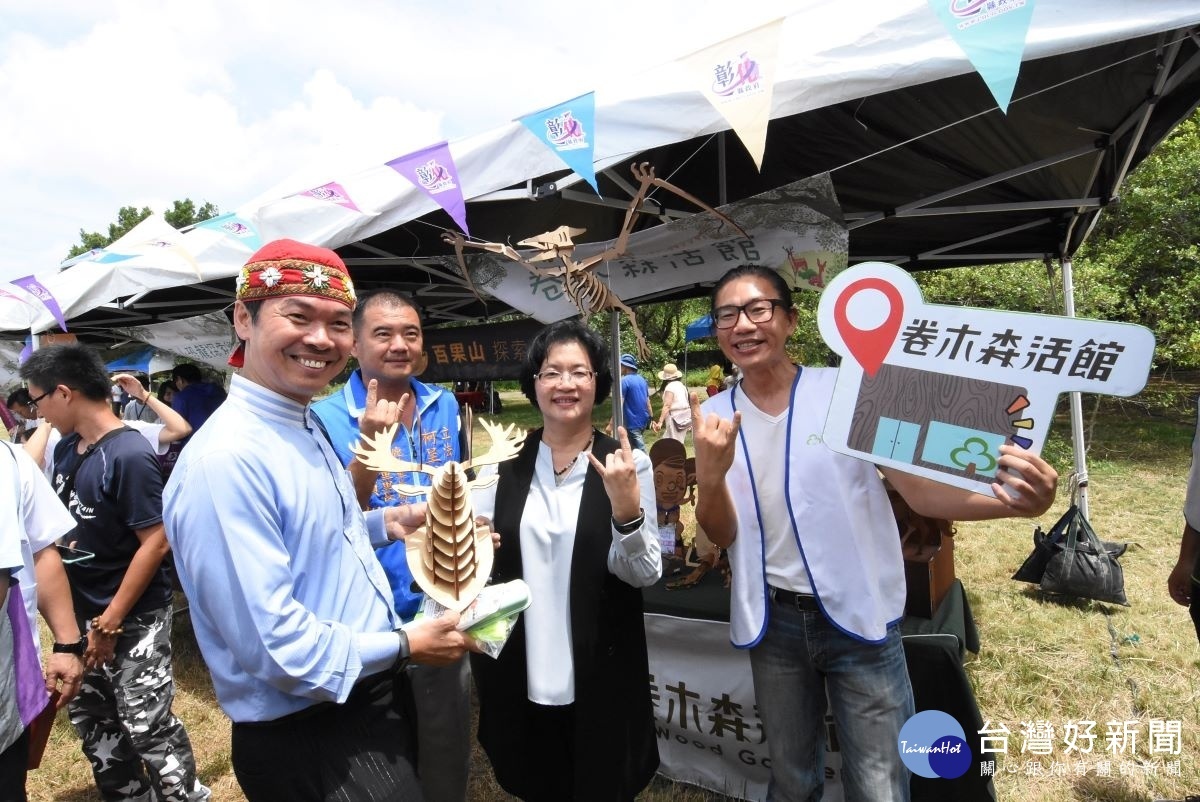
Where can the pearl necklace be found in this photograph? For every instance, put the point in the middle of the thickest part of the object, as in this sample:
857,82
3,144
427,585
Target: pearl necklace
560,474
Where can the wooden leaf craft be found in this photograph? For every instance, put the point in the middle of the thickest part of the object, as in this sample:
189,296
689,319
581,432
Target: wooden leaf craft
450,558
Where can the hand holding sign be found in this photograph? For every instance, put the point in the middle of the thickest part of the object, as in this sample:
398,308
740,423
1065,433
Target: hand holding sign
938,391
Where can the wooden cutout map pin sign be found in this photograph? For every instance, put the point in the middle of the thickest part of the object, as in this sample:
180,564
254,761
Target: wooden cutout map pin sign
860,305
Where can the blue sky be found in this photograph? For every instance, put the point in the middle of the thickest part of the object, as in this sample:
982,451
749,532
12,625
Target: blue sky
109,103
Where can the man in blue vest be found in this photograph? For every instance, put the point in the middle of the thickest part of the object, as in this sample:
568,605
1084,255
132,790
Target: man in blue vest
389,346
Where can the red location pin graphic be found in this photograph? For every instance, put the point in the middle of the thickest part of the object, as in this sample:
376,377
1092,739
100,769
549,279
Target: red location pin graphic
869,347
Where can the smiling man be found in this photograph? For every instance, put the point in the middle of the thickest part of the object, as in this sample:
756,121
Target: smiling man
388,343
290,607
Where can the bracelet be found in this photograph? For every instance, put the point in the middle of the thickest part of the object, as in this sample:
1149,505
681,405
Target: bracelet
107,633
405,653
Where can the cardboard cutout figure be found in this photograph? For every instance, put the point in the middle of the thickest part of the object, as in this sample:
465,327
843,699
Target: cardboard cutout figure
583,288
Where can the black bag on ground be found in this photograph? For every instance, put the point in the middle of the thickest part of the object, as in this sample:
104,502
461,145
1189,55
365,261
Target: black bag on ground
1071,560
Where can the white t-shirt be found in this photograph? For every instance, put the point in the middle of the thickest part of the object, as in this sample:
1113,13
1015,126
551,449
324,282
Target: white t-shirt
767,438
1191,504
31,518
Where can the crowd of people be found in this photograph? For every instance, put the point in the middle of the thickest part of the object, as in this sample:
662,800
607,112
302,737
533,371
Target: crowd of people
291,555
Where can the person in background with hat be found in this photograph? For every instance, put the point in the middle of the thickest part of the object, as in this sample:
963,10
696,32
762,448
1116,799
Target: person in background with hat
676,418
635,402
292,612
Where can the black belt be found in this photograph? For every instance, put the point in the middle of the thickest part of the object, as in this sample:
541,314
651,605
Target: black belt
805,603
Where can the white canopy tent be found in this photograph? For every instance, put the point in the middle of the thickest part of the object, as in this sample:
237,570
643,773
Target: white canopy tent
926,170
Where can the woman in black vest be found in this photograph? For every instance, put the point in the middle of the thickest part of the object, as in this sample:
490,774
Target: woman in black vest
565,711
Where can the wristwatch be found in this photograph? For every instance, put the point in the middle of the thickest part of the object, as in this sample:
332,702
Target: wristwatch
629,527
77,648
405,653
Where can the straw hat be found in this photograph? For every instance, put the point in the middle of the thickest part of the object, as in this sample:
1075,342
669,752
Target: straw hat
669,372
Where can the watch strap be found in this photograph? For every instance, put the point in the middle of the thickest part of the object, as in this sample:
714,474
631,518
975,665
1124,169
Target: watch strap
76,648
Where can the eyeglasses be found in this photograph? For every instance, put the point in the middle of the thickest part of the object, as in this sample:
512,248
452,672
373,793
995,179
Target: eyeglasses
757,311
578,376
33,402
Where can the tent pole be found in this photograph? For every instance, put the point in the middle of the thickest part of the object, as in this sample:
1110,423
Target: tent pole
1081,476
615,358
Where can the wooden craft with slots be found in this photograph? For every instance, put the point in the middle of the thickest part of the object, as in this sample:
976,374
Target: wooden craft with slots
448,556
582,287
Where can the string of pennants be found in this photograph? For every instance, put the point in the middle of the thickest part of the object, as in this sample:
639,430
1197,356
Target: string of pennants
736,75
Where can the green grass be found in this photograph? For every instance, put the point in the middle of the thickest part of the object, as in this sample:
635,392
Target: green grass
1041,658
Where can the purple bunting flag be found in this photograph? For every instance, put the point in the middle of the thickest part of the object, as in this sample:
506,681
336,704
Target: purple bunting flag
333,192
35,288
432,170
30,686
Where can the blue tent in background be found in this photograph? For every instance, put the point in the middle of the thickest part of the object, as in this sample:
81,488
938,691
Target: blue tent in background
148,360
698,329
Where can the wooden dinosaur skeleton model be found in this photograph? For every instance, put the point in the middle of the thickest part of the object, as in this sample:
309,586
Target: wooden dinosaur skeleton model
450,559
583,288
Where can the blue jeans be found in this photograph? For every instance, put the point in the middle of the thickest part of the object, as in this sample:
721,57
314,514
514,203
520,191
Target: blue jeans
800,658
637,438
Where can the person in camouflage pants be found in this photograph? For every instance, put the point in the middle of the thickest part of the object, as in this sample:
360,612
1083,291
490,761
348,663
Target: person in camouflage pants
147,746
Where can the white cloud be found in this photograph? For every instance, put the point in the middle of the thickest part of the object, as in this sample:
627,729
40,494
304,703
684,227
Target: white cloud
117,102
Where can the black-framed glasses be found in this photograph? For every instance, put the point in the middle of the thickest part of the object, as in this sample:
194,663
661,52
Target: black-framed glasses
580,376
33,402
759,310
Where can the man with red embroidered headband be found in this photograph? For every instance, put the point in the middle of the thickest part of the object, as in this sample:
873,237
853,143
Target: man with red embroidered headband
289,605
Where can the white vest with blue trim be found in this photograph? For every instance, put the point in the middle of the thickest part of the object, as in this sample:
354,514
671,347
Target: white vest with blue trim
841,518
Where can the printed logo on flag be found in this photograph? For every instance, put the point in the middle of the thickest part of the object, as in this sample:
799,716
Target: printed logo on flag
973,12
565,132
731,79
434,177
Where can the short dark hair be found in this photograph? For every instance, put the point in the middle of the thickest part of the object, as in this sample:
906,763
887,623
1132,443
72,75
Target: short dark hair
386,297
18,396
187,371
767,274
75,366
566,331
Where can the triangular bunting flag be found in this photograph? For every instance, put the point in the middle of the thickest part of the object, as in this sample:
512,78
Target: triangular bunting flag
568,130
236,227
35,288
738,78
333,192
432,170
992,34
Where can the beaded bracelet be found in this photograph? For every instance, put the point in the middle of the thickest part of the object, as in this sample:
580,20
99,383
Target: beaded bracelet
108,633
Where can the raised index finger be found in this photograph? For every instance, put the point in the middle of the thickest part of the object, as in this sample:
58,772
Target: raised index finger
623,437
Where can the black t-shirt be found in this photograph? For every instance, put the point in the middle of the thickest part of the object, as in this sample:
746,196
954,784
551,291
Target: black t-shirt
117,490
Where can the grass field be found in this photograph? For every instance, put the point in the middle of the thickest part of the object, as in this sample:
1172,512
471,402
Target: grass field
1042,659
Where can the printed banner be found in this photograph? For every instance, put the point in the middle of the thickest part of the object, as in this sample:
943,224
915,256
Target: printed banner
738,78
204,338
333,192
992,34
568,130
236,227
791,229
936,390
38,290
432,170
489,352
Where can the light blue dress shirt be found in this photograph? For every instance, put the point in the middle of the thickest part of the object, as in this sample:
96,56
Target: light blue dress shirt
288,602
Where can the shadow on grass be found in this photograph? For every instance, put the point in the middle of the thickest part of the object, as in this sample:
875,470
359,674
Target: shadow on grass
1070,602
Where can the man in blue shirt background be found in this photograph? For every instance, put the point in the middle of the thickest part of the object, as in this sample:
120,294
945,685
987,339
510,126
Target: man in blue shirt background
635,401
